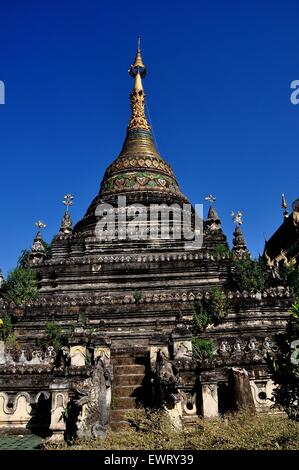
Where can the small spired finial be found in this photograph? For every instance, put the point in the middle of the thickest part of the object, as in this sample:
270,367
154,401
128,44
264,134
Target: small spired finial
211,199
240,247
68,201
237,218
284,206
40,224
38,251
138,71
213,221
66,226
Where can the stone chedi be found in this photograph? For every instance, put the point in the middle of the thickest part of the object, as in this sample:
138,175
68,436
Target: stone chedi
126,306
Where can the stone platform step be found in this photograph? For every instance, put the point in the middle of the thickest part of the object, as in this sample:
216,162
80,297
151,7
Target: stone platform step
129,379
125,403
129,369
129,373
118,426
125,360
125,391
118,415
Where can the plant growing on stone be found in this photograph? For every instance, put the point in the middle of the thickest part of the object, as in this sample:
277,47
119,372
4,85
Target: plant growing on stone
220,250
6,327
249,274
20,286
138,296
216,304
293,281
55,336
285,367
210,310
202,348
201,318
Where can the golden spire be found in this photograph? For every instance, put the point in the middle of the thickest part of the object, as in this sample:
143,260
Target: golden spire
138,71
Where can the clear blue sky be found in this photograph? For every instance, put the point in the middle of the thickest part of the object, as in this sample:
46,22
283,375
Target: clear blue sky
218,90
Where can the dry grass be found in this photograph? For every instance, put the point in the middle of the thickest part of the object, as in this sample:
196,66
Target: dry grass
153,431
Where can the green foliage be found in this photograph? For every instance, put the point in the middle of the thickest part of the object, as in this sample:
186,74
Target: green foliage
220,250
201,318
210,310
12,342
293,281
138,296
217,304
285,367
113,405
20,286
202,348
23,260
6,327
249,274
55,336
154,431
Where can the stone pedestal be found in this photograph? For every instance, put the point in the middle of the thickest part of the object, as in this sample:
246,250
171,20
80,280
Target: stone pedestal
209,400
60,398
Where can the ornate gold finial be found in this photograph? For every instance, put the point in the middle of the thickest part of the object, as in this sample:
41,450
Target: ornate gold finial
284,206
138,71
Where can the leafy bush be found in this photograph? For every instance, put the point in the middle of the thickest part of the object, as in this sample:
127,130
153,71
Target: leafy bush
55,336
5,327
20,286
201,318
285,367
210,310
23,260
220,250
293,281
216,304
249,274
202,348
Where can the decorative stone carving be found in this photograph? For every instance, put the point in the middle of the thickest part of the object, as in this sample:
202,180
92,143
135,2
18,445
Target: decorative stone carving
103,353
94,417
66,226
252,345
238,346
17,416
224,347
267,344
262,392
182,349
209,400
60,397
78,355
163,350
